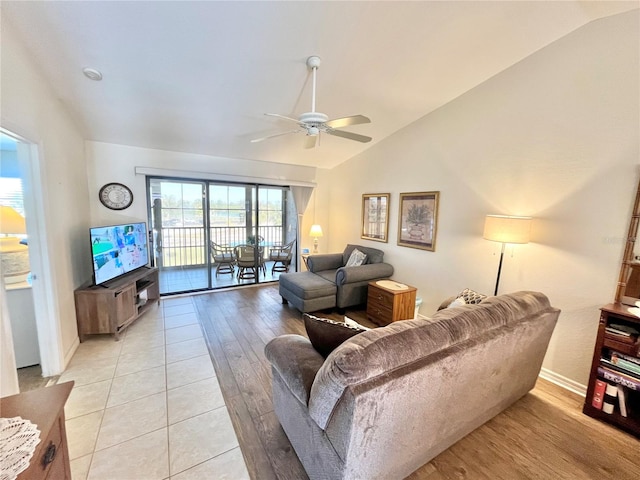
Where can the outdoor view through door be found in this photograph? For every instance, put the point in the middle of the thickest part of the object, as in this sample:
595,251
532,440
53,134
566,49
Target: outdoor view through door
210,235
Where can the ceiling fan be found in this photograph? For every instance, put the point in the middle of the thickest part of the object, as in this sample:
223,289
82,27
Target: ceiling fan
312,123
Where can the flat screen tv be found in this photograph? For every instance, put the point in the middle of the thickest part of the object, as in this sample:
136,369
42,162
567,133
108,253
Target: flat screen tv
118,249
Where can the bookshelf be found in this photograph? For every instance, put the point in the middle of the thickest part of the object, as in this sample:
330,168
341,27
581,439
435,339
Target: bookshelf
614,357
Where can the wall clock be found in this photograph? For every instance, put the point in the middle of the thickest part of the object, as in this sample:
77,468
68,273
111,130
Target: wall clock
116,196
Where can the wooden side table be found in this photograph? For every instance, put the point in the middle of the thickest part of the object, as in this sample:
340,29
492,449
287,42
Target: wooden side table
389,301
44,407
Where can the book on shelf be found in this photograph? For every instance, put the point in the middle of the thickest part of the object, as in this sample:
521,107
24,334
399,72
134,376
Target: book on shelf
619,378
618,368
626,358
622,401
598,394
626,361
623,330
609,400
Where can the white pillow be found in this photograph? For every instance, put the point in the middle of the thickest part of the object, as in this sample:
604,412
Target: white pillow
352,323
458,302
356,258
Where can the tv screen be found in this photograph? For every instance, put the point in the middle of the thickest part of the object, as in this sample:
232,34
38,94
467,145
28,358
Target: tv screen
118,249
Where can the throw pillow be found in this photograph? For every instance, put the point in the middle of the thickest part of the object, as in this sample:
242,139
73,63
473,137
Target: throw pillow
470,297
354,324
458,302
326,335
356,258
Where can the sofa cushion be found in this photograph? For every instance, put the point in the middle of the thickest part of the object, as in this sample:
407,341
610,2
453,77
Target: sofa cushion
373,254
328,275
356,258
307,285
326,335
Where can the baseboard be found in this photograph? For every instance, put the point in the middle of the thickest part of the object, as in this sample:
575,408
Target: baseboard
70,353
563,382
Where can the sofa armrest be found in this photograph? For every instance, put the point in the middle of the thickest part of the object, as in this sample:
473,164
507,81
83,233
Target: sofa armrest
297,362
363,273
326,261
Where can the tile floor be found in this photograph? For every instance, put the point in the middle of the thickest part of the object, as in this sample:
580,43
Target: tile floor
184,279
149,406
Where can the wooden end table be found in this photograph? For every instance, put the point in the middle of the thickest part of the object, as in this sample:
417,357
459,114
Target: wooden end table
389,301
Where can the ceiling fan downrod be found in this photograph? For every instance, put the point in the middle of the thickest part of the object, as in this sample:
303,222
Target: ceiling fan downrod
313,63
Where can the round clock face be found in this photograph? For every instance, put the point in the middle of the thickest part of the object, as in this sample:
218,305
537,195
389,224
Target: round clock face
116,196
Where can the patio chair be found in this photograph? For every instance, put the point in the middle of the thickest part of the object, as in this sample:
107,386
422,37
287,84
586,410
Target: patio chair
247,262
281,257
223,257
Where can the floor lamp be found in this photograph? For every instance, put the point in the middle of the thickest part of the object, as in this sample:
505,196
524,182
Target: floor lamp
506,229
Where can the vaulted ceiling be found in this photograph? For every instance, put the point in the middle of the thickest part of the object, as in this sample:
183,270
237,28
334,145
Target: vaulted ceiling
198,76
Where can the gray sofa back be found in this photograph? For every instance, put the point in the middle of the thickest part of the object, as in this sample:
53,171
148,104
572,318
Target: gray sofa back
392,398
373,254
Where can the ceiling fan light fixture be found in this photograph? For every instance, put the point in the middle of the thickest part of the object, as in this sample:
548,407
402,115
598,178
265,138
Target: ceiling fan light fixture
92,74
313,131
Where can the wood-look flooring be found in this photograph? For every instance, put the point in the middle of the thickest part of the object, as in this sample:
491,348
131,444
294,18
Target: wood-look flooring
542,436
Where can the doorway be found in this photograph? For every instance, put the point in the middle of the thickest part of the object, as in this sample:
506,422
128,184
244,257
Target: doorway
208,235
19,254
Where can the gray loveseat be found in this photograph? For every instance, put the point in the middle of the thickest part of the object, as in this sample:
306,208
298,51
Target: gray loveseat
328,283
388,400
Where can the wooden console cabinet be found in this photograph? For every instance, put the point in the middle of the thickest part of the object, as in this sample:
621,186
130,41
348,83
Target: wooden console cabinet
112,307
603,370
385,305
44,407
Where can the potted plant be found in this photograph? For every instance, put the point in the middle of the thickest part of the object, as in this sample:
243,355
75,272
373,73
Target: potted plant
417,217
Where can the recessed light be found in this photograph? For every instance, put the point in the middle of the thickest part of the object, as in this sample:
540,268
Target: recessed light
92,74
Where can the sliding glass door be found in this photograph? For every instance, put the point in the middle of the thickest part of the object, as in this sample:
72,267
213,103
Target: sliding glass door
212,235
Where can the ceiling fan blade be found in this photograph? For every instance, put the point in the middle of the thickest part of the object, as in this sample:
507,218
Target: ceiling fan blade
256,140
284,118
346,121
310,141
350,136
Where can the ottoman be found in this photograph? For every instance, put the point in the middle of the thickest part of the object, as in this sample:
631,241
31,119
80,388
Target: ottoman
307,291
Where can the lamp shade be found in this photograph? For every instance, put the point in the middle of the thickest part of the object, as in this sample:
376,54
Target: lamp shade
11,222
316,231
507,229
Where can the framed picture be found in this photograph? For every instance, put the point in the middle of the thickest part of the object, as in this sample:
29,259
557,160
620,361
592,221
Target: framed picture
375,216
418,220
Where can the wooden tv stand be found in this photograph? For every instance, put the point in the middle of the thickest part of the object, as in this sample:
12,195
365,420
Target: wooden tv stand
113,306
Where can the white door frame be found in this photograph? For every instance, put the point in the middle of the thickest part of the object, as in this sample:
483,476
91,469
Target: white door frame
43,285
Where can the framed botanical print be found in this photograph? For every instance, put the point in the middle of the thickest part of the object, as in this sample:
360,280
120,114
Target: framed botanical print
418,220
375,216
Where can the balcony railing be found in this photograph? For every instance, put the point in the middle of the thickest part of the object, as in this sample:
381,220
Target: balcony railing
186,246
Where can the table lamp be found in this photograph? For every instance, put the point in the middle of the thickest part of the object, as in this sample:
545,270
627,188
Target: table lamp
13,255
315,232
506,229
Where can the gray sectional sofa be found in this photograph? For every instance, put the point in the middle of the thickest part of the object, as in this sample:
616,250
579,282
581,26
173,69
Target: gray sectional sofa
388,400
329,283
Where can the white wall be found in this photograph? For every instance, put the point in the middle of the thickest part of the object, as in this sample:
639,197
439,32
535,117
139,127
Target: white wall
30,109
556,137
116,163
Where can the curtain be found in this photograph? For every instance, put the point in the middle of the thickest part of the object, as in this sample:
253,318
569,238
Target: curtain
301,196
